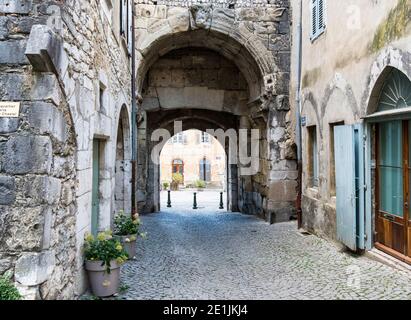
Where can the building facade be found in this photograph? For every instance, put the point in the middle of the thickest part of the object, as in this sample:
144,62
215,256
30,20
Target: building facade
64,157
197,156
355,111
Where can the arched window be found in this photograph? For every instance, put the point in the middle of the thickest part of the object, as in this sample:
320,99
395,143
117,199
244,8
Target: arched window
205,170
396,93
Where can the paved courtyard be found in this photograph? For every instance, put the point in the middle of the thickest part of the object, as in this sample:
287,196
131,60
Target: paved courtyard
212,254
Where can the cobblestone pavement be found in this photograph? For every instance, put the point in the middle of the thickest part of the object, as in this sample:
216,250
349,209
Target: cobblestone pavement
210,254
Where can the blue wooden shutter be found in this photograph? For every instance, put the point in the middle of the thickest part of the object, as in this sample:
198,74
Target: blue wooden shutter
202,174
129,24
350,185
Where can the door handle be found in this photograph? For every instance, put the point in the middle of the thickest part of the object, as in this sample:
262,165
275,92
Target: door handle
389,217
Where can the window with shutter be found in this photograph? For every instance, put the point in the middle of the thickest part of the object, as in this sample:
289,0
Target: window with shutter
123,18
314,19
129,24
318,18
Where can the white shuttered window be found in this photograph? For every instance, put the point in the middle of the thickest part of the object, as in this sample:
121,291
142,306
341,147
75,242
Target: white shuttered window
318,18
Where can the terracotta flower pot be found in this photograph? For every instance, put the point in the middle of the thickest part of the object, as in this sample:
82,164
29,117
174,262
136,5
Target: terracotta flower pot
129,245
102,283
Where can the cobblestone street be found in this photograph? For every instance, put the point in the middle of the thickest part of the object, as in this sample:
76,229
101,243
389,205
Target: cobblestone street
211,254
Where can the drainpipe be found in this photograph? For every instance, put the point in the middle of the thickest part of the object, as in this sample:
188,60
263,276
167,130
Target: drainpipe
133,117
298,113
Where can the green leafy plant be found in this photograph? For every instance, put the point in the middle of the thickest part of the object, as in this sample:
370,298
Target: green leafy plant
104,248
124,288
166,185
201,184
7,290
125,225
178,178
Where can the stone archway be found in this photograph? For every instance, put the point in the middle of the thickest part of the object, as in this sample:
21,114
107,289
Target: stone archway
212,68
122,170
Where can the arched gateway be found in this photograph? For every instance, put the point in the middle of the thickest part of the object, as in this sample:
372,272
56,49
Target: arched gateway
214,68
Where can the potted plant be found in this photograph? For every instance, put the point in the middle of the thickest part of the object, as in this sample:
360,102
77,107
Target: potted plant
177,180
126,230
201,185
104,255
166,185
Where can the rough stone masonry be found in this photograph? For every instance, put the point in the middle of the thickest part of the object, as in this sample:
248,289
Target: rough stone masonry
68,64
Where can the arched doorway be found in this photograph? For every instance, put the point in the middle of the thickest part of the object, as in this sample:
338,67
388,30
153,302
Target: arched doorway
391,127
122,192
219,76
195,163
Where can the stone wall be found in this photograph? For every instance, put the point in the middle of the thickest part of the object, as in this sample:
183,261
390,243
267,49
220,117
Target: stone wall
218,3
54,59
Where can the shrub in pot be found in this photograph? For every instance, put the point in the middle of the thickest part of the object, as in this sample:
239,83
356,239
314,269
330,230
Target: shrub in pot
201,185
126,230
177,180
104,256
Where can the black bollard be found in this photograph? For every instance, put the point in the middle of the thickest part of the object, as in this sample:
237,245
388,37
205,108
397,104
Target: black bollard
221,201
169,199
195,201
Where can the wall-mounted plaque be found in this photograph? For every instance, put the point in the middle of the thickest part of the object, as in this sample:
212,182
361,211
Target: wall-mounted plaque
9,109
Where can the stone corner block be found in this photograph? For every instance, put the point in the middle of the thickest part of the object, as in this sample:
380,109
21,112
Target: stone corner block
33,269
45,50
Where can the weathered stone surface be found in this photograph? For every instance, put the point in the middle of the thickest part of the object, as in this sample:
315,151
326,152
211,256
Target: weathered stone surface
283,191
41,190
7,190
12,52
16,6
34,268
46,118
179,19
200,16
5,265
44,50
26,221
28,154
9,125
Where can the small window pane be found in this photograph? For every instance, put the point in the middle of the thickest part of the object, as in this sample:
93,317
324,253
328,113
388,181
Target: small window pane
391,170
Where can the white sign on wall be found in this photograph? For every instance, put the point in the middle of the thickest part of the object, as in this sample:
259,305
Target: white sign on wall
9,109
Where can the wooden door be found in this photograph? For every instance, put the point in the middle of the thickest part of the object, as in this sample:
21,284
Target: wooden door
392,187
95,206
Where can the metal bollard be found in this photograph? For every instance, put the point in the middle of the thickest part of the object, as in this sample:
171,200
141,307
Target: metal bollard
195,201
221,201
169,199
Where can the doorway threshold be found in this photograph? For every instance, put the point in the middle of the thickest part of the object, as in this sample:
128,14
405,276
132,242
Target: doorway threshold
387,259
